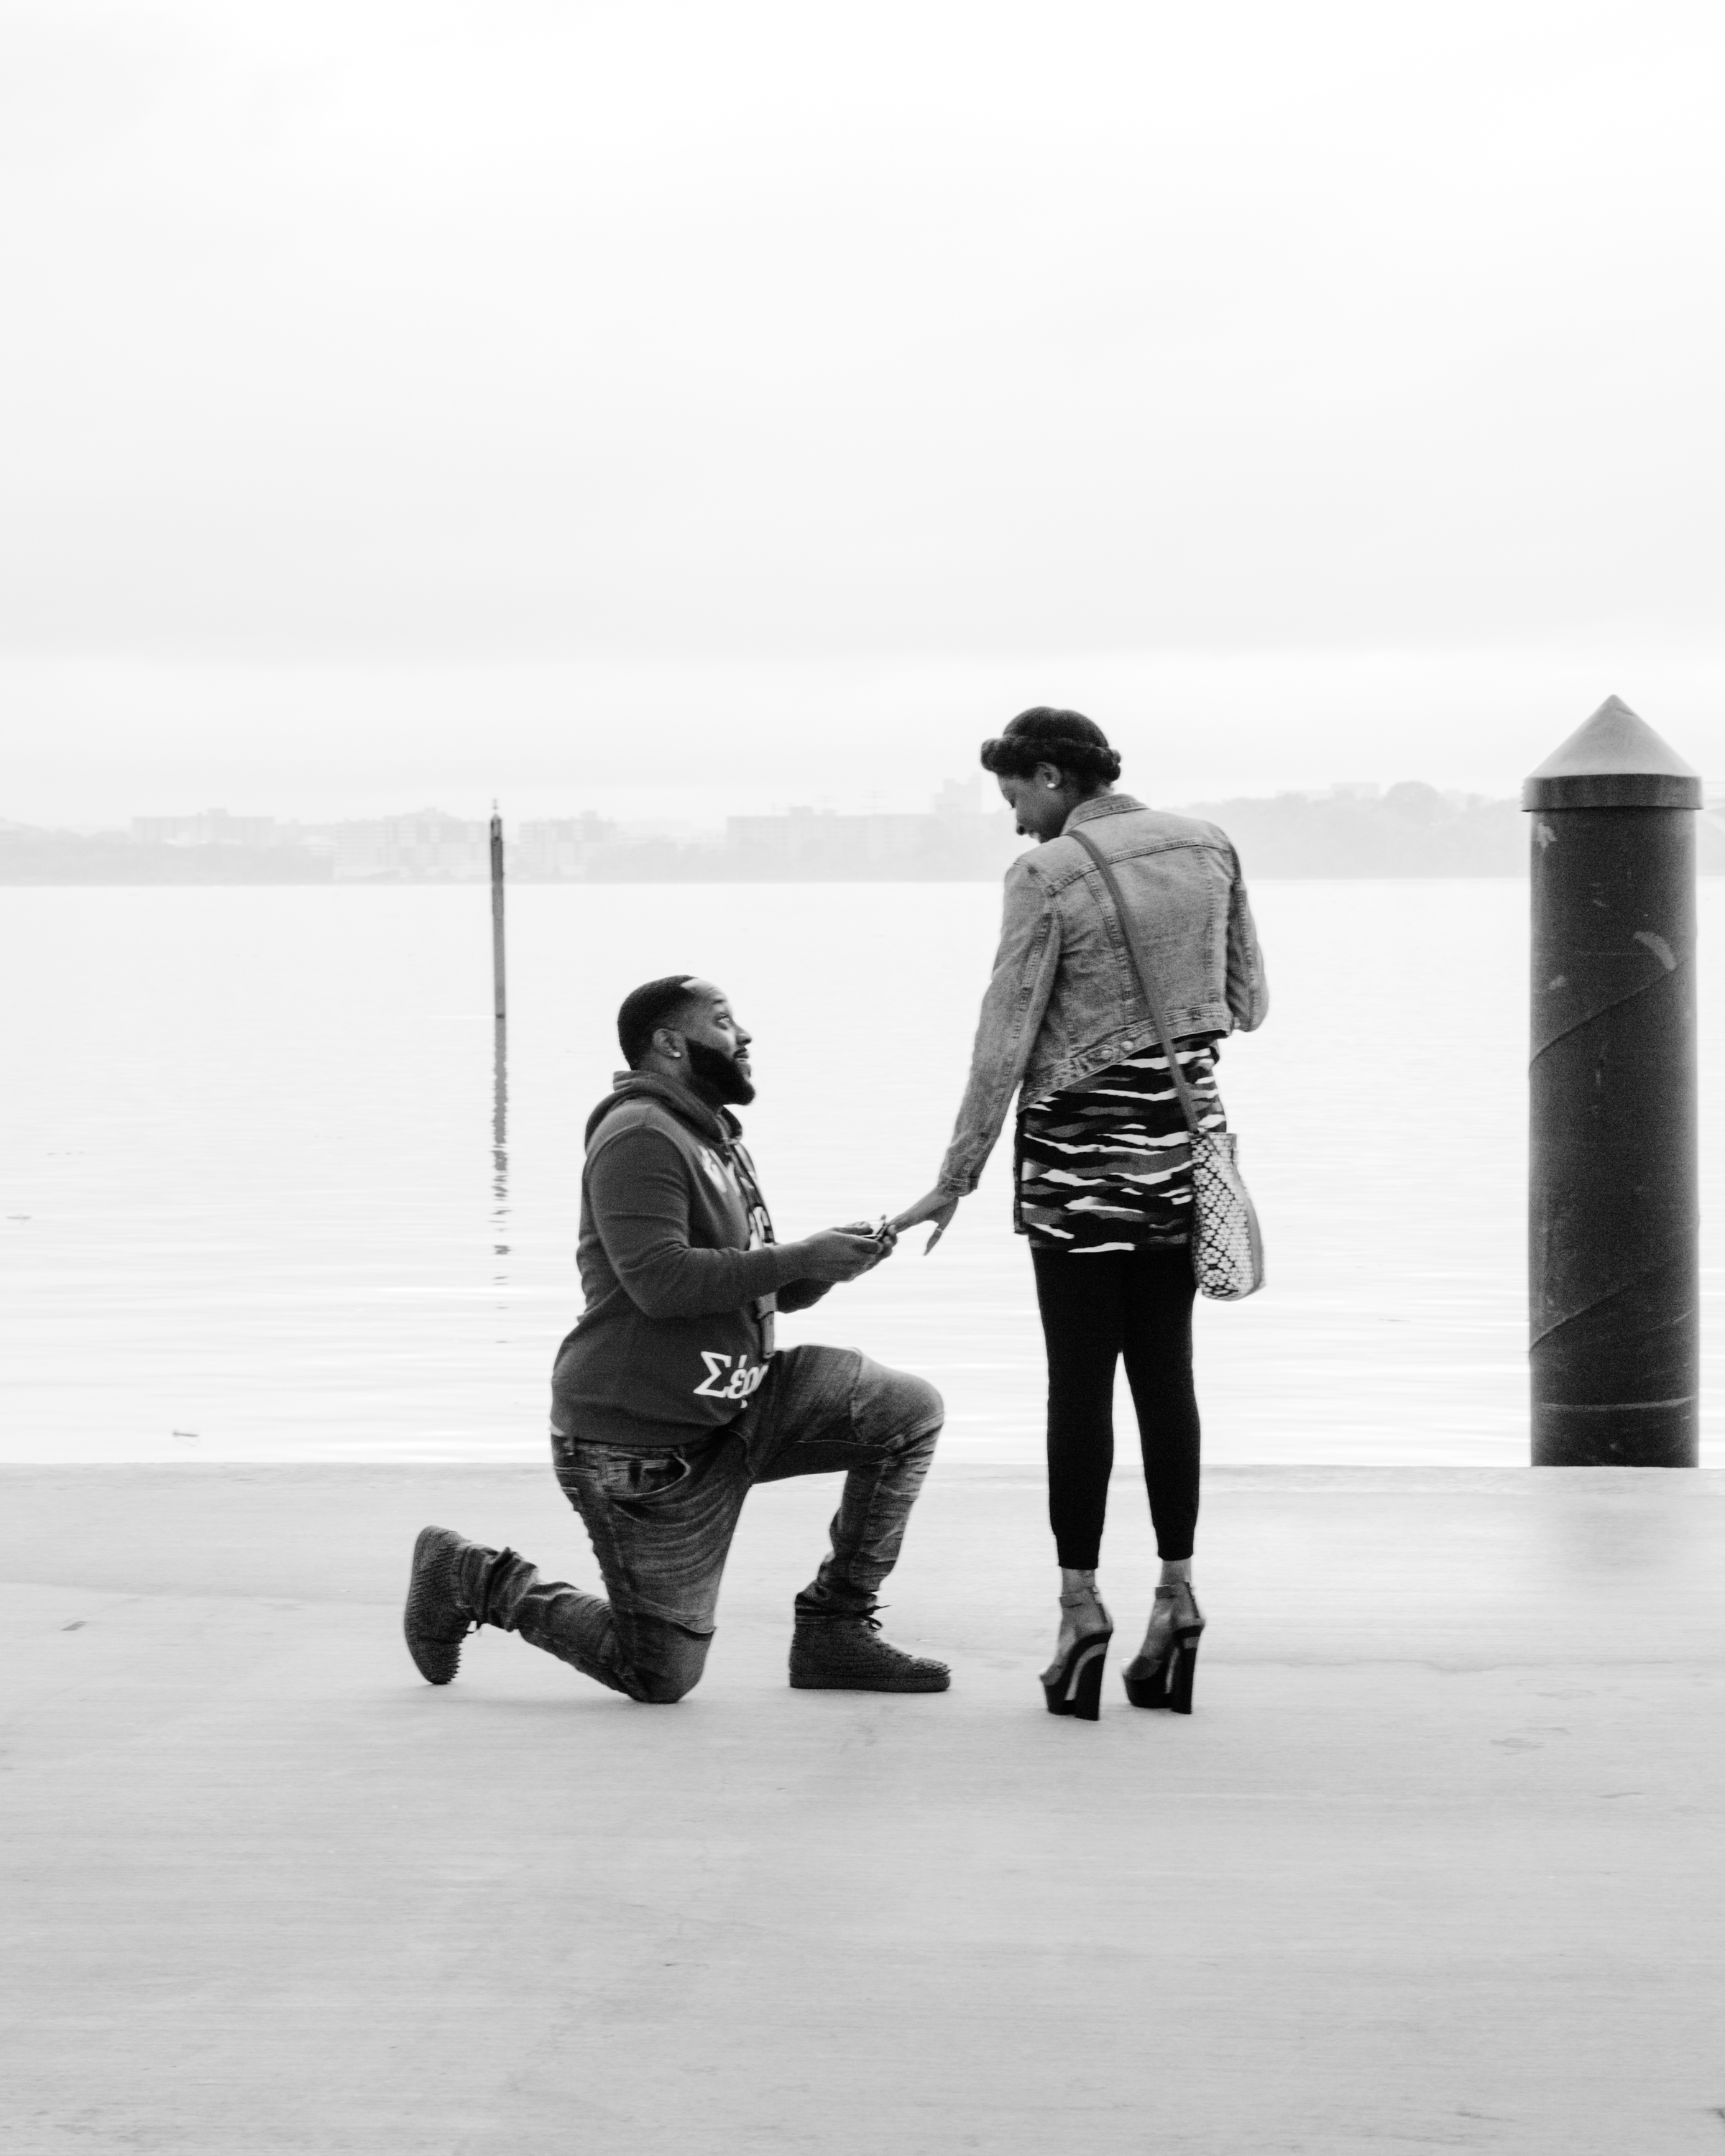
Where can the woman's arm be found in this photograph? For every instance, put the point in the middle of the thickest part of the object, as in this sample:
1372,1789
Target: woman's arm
1248,990
1012,1013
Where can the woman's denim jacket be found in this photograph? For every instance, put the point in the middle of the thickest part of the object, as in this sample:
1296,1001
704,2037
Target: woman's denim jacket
1064,1002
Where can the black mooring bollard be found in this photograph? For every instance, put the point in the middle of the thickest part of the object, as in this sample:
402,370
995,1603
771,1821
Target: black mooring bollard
1613,1212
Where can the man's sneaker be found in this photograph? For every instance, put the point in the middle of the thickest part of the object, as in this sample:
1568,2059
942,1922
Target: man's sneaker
435,1620
847,1653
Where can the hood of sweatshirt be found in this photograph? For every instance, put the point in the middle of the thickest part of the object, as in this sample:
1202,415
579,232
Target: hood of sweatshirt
717,1126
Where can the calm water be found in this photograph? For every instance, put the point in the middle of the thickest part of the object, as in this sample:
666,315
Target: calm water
258,1204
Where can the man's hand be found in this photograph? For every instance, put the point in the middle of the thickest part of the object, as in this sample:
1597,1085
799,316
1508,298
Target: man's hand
938,1206
881,1233
844,1253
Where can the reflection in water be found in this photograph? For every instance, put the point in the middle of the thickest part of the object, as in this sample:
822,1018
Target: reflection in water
499,1137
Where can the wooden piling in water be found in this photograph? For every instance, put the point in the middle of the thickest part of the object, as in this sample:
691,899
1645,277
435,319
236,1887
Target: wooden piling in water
500,994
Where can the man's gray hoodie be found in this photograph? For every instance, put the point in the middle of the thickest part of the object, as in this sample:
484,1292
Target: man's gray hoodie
679,1270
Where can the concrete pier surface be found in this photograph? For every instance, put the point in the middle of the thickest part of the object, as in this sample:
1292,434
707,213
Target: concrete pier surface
1436,1864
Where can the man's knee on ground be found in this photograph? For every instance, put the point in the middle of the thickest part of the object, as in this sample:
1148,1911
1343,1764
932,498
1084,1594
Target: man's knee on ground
668,1663
663,1687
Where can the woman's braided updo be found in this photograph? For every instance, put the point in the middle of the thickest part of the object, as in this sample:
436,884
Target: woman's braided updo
1075,745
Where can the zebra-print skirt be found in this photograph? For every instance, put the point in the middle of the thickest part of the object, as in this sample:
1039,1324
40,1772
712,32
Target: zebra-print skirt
1107,1165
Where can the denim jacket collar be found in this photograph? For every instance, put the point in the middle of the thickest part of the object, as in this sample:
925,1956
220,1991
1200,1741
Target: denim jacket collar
1104,805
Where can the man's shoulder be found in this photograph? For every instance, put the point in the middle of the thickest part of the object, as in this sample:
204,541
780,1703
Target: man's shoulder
642,1118
647,1127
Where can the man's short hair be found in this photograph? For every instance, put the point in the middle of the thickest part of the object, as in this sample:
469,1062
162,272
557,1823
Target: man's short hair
646,1009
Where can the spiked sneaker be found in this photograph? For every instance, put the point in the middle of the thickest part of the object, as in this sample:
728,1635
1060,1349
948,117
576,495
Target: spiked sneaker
847,1653
437,1620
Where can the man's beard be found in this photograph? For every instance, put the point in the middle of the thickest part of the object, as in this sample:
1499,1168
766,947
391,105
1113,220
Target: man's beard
718,1075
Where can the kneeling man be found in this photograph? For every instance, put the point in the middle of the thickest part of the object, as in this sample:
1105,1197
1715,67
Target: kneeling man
669,1401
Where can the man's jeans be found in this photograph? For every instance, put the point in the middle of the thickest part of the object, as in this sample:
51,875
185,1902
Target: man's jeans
661,1522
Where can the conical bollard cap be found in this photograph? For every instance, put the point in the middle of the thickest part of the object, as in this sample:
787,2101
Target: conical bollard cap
1614,760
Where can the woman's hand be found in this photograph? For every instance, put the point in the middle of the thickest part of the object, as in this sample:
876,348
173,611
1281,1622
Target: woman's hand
938,1206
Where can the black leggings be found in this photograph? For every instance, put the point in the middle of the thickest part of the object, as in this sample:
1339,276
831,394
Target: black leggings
1138,1303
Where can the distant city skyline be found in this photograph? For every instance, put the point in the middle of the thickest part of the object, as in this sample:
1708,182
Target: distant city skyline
91,745
1358,830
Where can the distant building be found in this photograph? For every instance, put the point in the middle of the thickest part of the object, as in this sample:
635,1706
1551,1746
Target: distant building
975,796
137,856
957,841
560,849
213,827
816,842
426,847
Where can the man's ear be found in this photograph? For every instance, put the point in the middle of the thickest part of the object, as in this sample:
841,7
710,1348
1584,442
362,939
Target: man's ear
667,1042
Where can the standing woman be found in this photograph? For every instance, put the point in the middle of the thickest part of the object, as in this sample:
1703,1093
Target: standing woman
1103,1188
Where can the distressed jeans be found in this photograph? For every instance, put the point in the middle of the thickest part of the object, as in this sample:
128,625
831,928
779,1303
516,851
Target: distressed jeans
661,1522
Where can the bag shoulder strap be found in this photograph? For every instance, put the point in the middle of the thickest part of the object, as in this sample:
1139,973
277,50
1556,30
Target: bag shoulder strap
1146,984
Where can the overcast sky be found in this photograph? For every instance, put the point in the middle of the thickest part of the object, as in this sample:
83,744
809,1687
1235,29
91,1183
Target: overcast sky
703,404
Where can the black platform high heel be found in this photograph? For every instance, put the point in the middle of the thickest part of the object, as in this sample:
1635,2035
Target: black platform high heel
1167,1683
1074,1685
